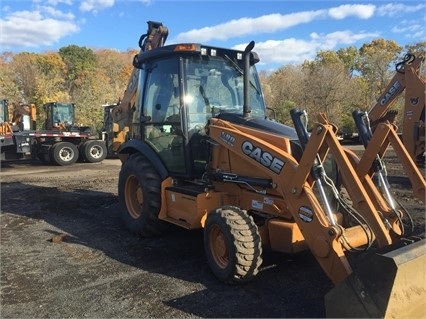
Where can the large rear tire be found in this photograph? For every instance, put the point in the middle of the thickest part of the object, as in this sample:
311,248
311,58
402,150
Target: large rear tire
63,153
139,191
93,151
232,244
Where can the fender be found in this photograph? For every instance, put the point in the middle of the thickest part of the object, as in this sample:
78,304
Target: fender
133,146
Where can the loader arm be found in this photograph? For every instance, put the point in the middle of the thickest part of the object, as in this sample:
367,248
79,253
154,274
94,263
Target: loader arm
385,135
324,236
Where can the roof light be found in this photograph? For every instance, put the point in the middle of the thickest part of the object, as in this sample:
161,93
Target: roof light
213,52
203,51
239,56
186,47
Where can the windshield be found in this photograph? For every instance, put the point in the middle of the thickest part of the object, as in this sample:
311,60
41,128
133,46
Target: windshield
3,112
63,112
216,85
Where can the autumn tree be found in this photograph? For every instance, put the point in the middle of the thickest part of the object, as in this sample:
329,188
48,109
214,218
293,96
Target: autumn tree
8,88
117,68
25,73
327,84
51,80
375,64
282,91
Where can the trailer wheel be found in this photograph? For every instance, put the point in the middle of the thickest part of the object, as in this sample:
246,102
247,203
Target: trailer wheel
93,151
63,153
232,244
139,191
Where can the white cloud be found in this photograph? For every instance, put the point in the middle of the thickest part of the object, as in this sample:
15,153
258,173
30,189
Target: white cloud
411,30
272,23
360,11
406,27
296,51
56,2
95,5
50,11
265,24
392,9
347,37
32,28
283,51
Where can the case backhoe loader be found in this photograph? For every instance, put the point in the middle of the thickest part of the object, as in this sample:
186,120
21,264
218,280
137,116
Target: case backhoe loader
200,153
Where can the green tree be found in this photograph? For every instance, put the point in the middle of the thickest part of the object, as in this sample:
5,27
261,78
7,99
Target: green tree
80,62
349,57
375,64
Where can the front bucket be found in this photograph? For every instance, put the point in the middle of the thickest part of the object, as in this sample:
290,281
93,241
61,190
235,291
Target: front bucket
389,285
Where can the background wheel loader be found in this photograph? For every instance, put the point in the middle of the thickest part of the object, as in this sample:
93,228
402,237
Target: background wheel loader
16,120
199,152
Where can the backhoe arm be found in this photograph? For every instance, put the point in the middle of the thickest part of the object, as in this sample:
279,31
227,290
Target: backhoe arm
395,87
123,113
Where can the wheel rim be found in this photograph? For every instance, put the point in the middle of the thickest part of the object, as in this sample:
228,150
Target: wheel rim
66,154
218,247
96,151
133,196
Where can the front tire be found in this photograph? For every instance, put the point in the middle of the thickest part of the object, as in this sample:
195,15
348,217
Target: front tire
232,244
139,191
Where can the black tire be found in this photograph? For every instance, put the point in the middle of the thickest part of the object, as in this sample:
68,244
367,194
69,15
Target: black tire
64,153
139,191
232,244
93,151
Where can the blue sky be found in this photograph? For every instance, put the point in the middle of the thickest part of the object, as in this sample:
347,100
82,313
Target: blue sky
285,32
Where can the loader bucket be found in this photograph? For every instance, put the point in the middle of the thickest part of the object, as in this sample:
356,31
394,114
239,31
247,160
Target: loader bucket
389,285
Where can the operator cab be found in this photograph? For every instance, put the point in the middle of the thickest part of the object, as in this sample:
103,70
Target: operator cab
179,91
59,116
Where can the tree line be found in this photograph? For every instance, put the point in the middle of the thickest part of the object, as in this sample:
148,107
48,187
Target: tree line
338,82
334,83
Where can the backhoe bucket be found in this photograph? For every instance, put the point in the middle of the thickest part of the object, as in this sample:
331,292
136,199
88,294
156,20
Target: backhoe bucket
389,285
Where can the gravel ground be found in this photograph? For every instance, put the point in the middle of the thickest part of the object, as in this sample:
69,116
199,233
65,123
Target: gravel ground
65,253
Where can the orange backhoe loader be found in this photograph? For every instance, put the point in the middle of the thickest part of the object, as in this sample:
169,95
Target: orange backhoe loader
200,153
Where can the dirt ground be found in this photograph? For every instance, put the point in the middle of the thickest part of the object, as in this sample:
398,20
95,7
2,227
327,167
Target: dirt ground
65,253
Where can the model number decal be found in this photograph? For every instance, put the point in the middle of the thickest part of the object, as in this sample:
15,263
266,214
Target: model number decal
263,157
227,138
